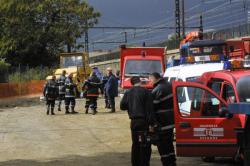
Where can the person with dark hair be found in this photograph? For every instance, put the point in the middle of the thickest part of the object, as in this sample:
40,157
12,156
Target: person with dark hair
138,102
163,107
92,86
50,93
61,87
111,88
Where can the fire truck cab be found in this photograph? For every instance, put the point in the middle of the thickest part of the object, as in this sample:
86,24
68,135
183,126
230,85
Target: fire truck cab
209,130
141,61
239,48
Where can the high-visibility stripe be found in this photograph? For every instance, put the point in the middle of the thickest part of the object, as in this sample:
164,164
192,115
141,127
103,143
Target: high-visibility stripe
95,83
163,111
167,155
163,99
69,96
167,127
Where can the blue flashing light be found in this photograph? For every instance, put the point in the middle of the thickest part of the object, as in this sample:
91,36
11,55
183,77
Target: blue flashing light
227,65
182,60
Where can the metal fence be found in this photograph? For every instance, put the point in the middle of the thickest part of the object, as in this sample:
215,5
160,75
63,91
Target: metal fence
229,33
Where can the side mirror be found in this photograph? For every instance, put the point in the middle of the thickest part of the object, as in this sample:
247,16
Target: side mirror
224,112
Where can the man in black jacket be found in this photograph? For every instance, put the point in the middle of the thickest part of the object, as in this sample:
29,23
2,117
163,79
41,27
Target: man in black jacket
138,101
92,86
50,93
163,107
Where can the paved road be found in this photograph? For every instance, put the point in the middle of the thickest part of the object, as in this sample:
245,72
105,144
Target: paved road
28,137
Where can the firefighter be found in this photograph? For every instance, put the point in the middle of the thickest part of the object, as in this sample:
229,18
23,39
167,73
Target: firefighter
50,93
92,86
111,89
70,94
163,107
139,103
61,85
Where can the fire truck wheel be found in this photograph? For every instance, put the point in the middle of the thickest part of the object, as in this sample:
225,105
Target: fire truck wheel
208,159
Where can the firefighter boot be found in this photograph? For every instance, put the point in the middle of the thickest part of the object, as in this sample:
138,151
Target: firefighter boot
73,110
67,110
94,111
59,106
52,111
47,109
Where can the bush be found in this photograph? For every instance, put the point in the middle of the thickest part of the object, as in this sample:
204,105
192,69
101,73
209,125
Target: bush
38,73
4,71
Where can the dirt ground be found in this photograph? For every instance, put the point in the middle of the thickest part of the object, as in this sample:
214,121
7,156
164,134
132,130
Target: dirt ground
28,137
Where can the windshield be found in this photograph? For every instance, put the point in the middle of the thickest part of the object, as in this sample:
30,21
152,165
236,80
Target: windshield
142,67
199,51
71,61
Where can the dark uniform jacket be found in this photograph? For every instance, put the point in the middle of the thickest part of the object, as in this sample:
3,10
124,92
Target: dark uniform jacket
104,82
139,103
50,90
70,88
111,86
61,85
92,86
163,104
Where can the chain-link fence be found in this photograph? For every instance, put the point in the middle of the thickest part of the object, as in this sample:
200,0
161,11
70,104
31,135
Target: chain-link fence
229,33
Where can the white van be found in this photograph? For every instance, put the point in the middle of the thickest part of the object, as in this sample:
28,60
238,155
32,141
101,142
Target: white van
189,73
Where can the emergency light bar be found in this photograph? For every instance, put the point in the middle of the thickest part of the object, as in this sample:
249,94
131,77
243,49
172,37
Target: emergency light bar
236,64
206,58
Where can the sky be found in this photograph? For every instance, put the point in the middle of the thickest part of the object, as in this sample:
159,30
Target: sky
157,13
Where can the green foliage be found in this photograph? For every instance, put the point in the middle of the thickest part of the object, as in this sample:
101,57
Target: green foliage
34,31
37,73
3,70
3,65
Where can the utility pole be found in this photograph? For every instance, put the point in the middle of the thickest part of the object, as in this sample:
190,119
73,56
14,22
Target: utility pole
125,37
183,17
86,44
201,27
177,19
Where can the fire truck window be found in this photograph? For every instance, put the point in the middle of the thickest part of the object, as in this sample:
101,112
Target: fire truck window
228,94
189,99
142,67
166,78
197,102
172,79
216,86
211,105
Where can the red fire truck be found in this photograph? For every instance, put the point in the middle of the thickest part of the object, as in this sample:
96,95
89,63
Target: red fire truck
141,61
209,130
239,47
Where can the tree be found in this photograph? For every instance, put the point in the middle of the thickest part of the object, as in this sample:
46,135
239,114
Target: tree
34,31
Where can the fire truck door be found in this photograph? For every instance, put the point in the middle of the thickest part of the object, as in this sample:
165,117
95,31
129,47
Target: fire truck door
205,132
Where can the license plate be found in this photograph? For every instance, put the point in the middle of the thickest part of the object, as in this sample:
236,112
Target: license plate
202,58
